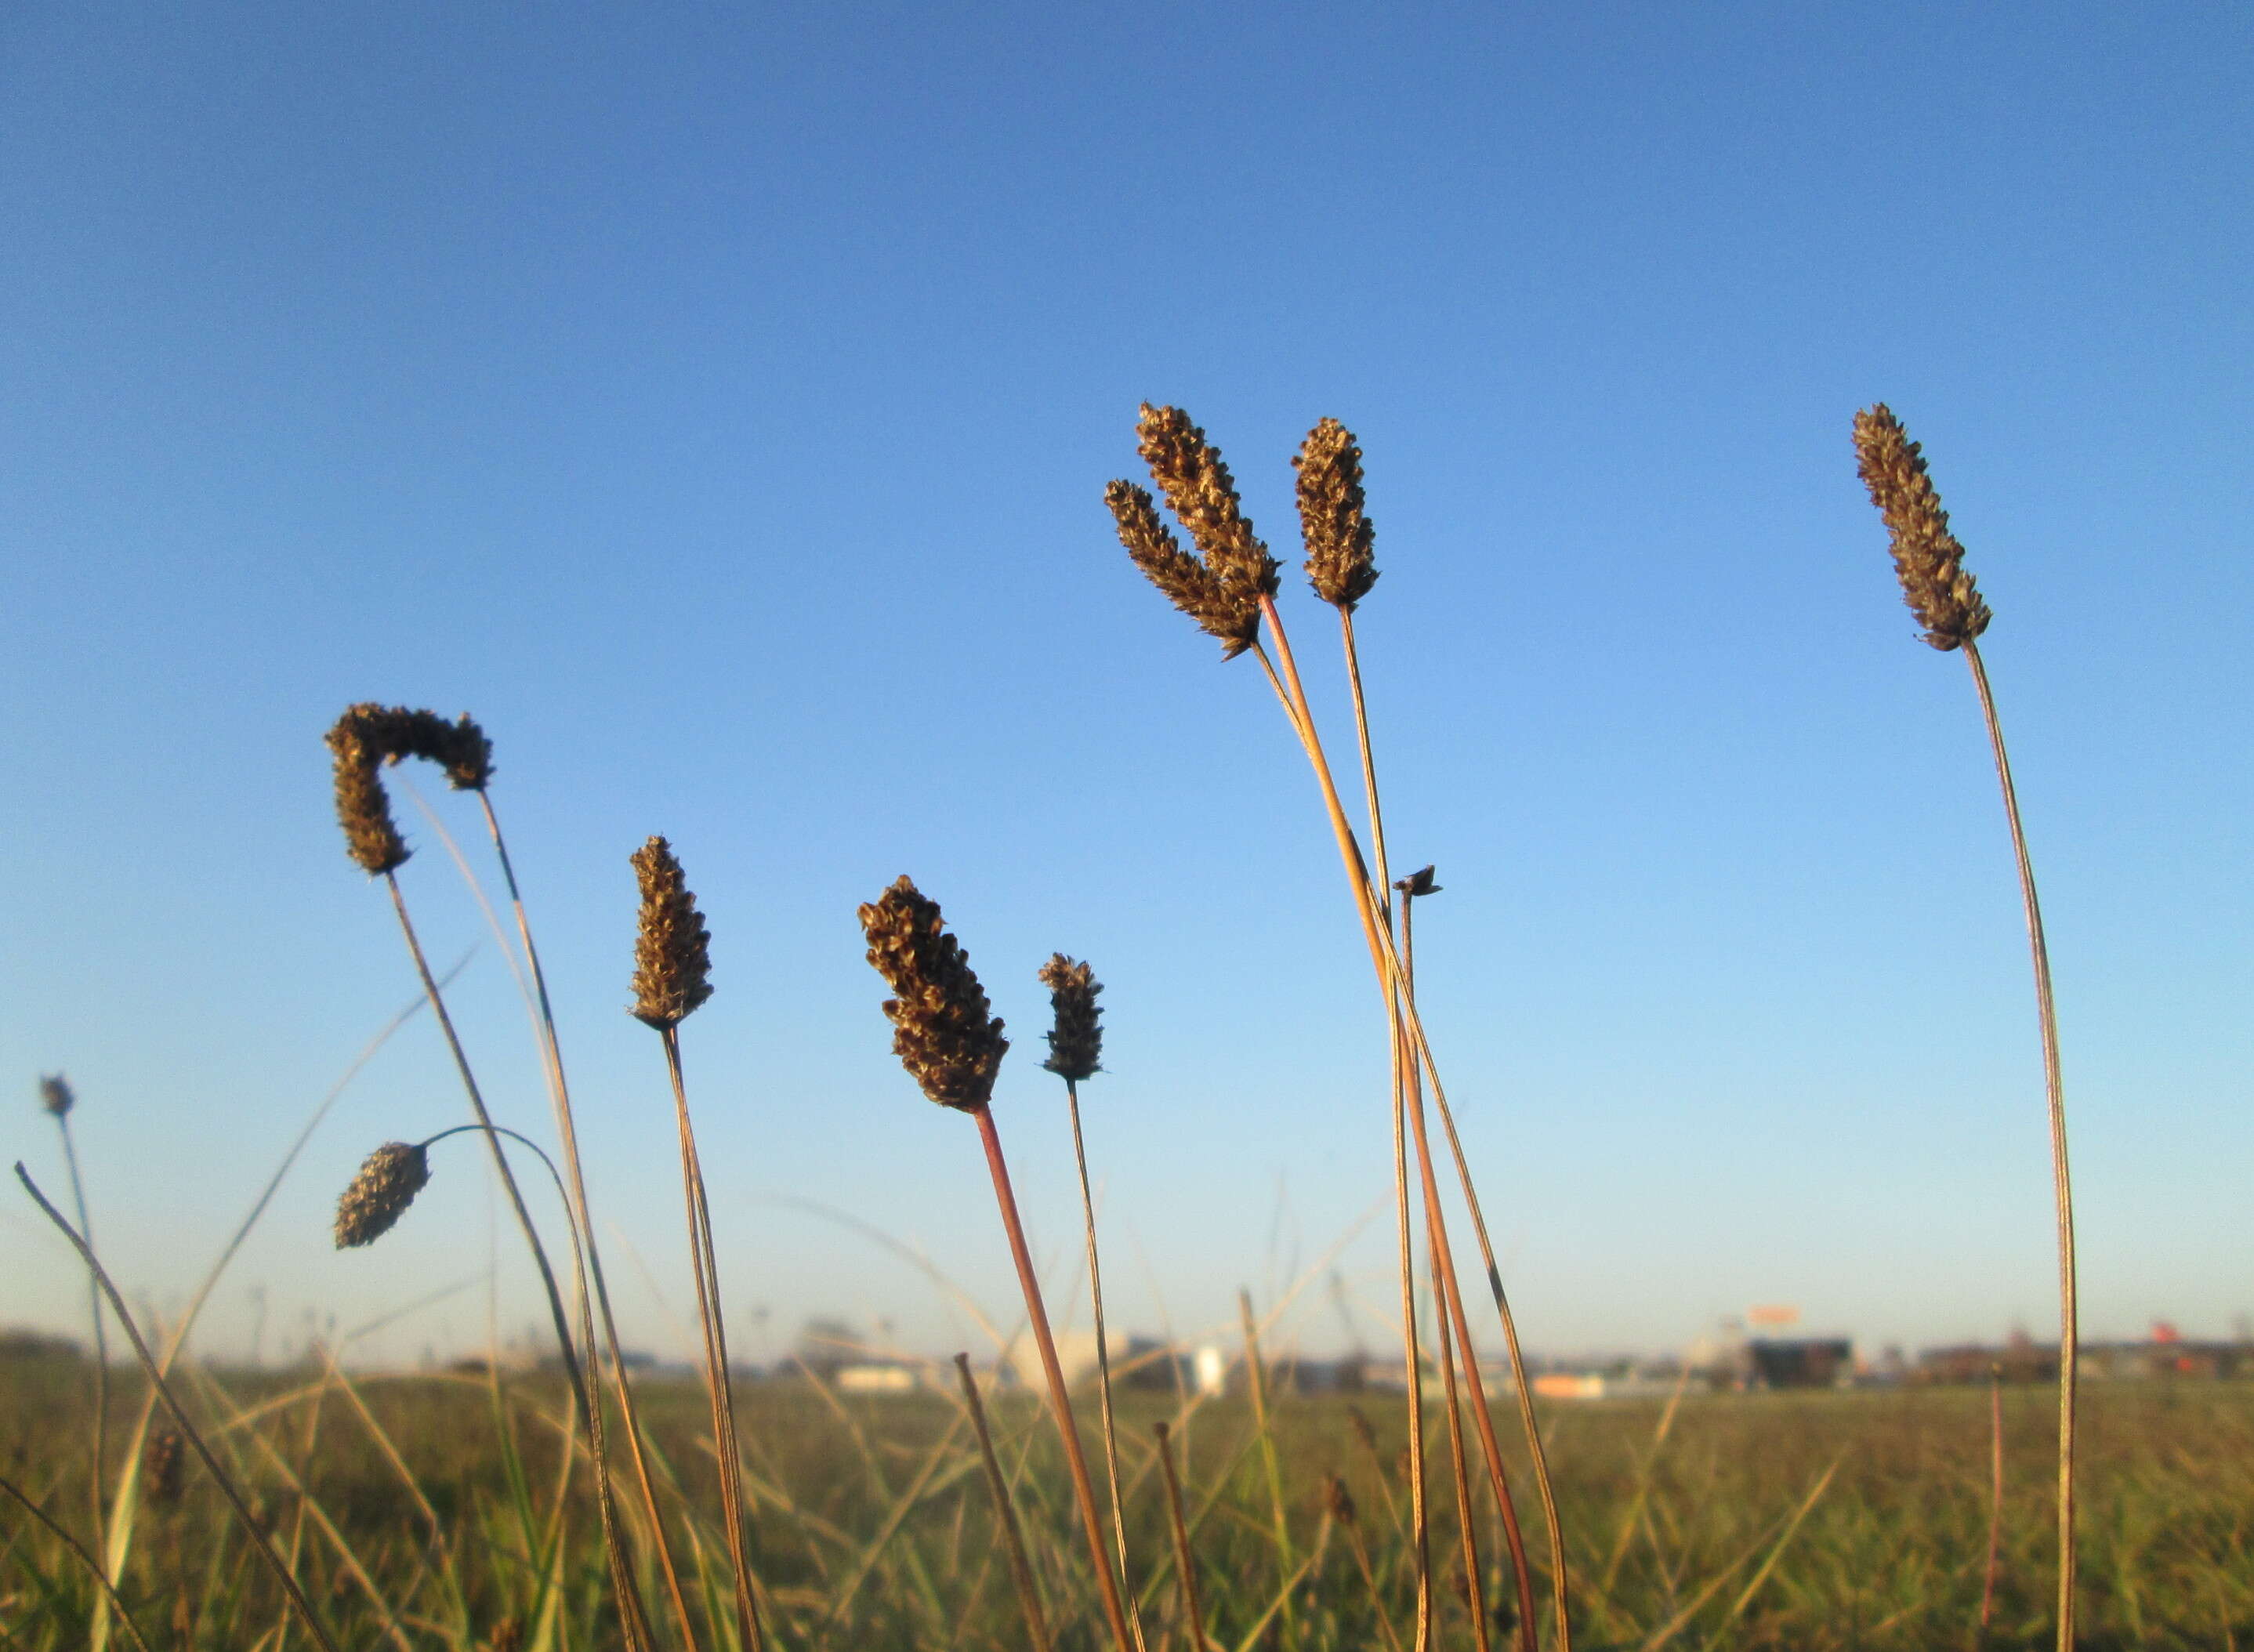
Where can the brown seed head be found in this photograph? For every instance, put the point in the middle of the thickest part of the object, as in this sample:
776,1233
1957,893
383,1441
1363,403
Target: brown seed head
164,1468
1339,536
1338,1501
56,1095
1927,556
386,1185
673,961
507,1636
1417,883
358,743
1181,578
368,735
942,1031
1198,487
1076,1045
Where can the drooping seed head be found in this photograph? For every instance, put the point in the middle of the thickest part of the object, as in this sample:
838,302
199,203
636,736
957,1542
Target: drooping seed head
1076,1042
1417,883
369,735
164,1468
673,961
1339,538
941,1028
386,1184
56,1095
358,743
1927,556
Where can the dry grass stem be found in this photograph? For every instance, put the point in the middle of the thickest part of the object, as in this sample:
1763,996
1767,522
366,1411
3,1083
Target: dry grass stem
951,1044
1929,560
1005,1513
671,979
1076,1053
1185,1563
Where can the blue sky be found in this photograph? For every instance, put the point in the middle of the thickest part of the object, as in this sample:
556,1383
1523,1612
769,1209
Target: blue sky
718,404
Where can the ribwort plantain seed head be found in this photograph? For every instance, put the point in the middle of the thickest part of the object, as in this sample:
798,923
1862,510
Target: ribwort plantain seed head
1181,578
1076,1041
359,743
941,1028
1339,536
1236,568
673,961
1927,556
56,1095
386,1184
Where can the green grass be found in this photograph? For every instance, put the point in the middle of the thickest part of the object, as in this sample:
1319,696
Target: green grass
873,1528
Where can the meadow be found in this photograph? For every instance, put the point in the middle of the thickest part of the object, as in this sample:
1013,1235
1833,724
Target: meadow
576,1505
425,1512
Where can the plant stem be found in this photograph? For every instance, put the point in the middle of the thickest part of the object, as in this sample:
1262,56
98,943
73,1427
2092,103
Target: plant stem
1475,1584
633,1619
1103,1368
180,1419
79,1549
2055,1089
716,1351
583,1214
1379,941
1021,1570
1995,1499
1450,1309
101,1348
1184,1569
1256,1384
1060,1400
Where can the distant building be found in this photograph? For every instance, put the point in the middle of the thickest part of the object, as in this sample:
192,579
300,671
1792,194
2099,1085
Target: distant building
1802,1361
875,1376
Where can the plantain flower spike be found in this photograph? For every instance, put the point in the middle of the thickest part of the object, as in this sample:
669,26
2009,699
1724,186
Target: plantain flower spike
1076,1043
56,1095
1223,591
941,1028
1927,556
1338,535
672,960
358,743
386,1185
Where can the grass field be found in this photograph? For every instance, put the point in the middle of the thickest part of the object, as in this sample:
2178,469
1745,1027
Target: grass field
425,1513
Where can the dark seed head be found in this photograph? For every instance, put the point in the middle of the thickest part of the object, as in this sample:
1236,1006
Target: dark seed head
1076,1044
941,1028
386,1184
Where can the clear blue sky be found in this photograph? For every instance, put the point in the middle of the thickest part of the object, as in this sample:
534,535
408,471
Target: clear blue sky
716,401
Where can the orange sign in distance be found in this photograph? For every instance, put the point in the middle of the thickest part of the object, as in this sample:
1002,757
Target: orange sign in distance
1773,1313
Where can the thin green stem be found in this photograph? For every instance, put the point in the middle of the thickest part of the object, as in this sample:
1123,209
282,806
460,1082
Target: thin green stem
2061,1182
1185,1566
